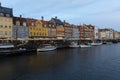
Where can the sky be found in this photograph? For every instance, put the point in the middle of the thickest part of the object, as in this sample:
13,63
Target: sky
100,13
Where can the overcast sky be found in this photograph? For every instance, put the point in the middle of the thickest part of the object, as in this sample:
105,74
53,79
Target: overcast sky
101,13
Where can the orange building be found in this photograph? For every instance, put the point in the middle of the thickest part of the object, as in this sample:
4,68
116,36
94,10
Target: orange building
86,32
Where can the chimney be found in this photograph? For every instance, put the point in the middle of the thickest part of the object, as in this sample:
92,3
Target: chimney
20,16
64,21
0,4
42,18
55,17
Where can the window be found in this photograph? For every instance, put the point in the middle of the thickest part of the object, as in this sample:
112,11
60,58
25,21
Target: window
9,32
45,25
18,23
9,26
5,26
49,25
24,23
1,26
8,15
1,14
32,24
5,32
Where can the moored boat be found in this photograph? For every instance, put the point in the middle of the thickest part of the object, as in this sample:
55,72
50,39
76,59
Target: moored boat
4,46
74,45
46,47
10,49
96,44
84,46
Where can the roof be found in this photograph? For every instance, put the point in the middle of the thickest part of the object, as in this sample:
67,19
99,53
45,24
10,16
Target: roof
5,11
30,21
57,21
20,19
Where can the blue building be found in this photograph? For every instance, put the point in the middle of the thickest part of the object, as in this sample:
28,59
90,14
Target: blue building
20,28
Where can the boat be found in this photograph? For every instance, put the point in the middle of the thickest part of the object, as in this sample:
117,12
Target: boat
84,45
10,49
96,44
74,45
6,46
46,47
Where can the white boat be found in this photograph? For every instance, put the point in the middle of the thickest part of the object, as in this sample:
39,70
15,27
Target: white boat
4,46
74,45
84,46
46,47
96,44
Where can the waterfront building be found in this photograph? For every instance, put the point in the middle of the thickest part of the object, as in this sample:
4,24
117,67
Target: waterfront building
31,27
44,28
6,22
96,36
115,35
67,30
106,34
51,30
75,32
119,35
59,27
37,29
86,32
20,28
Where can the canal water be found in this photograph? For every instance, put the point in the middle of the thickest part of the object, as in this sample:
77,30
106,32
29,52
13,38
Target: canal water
95,63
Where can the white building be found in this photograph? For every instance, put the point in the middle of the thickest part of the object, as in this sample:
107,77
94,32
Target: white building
75,32
96,33
106,34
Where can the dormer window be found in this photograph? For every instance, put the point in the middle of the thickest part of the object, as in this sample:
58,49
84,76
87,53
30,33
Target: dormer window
7,15
24,24
45,25
53,26
18,23
1,14
32,24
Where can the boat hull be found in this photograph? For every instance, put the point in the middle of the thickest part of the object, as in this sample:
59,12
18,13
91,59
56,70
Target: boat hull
96,44
85,46
45,49
74,46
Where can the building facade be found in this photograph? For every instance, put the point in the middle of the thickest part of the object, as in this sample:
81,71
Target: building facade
96,35
106,34
59,28
36,29
86,32
75,32
67,30
20,28
6,22
51,30
115,35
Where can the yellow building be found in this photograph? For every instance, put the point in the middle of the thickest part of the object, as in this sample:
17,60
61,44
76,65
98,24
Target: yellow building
6,22
38,29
